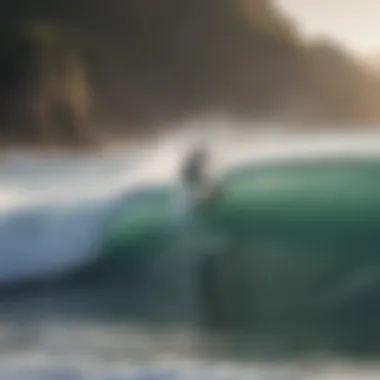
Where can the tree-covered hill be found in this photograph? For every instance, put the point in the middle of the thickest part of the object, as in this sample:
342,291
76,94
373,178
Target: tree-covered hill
76,71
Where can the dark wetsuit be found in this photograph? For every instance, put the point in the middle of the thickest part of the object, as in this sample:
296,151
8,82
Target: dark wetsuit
193,172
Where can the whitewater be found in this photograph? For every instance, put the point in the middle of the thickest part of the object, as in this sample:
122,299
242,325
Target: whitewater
53,210
54,214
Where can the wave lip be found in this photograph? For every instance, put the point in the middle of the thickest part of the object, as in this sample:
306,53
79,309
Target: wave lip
54,213
53,224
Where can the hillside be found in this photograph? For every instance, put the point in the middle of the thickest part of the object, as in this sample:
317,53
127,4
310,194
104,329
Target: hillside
69,69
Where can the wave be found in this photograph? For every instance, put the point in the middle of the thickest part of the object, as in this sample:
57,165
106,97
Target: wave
290,249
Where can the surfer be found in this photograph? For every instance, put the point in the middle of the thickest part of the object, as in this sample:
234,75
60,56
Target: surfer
194,174
193,170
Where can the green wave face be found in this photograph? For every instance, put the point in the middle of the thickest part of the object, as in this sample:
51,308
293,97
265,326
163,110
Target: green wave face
300,252
288,197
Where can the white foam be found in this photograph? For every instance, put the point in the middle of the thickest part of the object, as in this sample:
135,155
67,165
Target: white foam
53,210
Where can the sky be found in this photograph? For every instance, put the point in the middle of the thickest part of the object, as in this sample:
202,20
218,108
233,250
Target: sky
354,23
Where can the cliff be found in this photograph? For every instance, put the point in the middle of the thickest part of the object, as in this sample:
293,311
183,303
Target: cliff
79,71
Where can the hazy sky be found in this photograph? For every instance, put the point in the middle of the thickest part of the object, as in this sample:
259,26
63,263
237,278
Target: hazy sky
355,23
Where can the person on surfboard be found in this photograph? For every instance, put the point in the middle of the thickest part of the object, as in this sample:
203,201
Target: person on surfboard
193,170
194,174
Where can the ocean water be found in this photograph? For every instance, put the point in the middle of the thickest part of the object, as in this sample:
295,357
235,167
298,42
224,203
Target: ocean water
108,271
